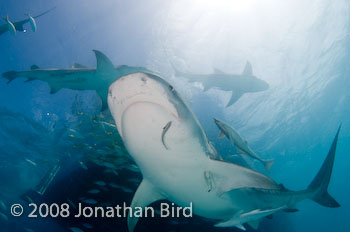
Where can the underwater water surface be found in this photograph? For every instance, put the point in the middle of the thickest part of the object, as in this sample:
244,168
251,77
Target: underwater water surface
62,140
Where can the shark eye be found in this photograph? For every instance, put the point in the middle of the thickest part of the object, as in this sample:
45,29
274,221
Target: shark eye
171,88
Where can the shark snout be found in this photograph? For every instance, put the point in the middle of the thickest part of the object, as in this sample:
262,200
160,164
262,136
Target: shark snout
218,123
263,85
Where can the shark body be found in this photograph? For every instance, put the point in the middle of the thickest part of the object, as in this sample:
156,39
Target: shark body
79,77
235,83
12,27
141,104
240,143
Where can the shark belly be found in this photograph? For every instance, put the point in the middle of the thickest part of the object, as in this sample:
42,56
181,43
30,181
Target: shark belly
173,170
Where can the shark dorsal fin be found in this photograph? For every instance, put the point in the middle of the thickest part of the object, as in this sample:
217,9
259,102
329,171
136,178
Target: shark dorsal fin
34,67
77,65
54,90
248,71
218,71
145,194
103,63
282,187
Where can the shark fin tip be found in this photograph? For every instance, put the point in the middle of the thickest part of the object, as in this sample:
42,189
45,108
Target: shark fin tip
268,164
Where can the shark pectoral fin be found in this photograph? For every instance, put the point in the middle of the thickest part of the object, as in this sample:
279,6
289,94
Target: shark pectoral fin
241,152
32,23
77,65
11,28
248,71
268,164
103,94
234,97
221,135
240,226
234,221
254,224
103,63
145,195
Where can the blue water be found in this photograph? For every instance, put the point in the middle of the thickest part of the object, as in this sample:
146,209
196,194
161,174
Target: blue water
302,49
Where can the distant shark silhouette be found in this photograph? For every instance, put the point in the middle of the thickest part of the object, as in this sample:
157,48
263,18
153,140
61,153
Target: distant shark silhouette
237,84
12,27
185,171
79,77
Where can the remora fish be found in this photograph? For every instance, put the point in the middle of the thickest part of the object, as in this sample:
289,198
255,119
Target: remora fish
240,143
12,27
254,216
79,77
165,129
141,104
235,83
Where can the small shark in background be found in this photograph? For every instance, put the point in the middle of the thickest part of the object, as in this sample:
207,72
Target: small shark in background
79,77
237,84
12,27
240,143
185,171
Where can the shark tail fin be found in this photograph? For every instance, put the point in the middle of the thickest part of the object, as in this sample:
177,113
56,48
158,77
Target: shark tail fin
319,185
10,76
268,164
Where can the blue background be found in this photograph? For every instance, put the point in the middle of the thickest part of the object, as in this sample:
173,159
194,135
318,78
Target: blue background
302,49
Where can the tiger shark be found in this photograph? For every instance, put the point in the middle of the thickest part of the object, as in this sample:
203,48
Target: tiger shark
240,143
186,171
12,27
78,77
237,84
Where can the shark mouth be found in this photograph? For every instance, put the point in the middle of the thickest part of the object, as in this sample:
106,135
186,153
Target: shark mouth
138,89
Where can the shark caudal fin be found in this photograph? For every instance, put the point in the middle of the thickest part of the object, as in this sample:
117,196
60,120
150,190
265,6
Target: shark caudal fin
10,76
319,185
